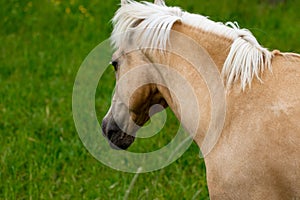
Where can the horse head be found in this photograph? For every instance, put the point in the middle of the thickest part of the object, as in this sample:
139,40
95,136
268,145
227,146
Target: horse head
135,94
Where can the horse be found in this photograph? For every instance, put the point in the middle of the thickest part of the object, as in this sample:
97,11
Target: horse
257,154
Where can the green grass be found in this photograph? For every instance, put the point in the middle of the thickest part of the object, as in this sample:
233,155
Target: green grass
42,46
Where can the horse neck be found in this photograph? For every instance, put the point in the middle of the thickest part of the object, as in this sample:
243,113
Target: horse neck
218,48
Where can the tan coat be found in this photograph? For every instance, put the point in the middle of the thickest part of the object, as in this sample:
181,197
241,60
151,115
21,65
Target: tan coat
257,155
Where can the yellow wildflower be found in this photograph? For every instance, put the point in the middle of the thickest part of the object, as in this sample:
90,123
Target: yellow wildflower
68,10
56,2
82,9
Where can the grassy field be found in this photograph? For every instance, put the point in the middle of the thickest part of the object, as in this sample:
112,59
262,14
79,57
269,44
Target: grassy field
43,43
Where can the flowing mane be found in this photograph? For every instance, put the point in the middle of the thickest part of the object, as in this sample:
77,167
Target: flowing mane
246,59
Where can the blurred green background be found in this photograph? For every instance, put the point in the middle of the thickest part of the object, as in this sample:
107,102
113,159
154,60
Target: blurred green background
43,43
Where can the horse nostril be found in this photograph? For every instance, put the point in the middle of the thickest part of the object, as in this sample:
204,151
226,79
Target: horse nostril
110,134
103,126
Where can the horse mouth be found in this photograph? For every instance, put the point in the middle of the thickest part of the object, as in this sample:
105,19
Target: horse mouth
117,139
120,140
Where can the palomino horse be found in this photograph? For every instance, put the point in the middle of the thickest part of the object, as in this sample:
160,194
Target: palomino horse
257,155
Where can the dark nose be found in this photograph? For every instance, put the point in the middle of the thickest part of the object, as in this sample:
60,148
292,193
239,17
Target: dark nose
109,127
116,137
109,131
103,126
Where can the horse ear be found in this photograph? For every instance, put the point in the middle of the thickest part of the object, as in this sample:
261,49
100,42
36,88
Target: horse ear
124,2
160,2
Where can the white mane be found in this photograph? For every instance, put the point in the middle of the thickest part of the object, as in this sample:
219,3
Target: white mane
246,59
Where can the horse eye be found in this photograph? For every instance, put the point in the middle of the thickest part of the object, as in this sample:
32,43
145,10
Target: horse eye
115,64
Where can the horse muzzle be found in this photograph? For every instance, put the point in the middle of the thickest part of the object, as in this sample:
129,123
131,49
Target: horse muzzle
117,138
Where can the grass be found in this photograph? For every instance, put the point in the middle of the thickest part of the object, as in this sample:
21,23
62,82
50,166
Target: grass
42,46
